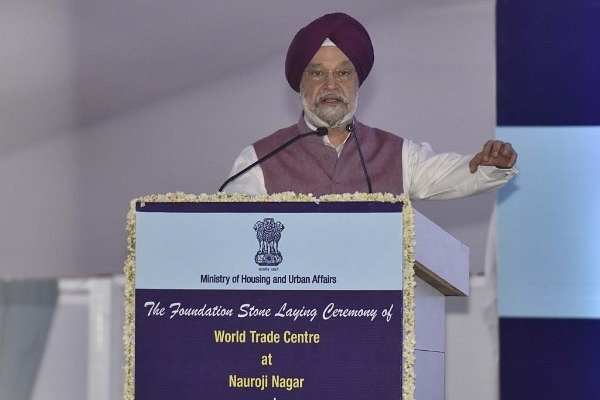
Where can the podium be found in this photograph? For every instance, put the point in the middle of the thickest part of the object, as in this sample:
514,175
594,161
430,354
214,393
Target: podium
287,297
442,269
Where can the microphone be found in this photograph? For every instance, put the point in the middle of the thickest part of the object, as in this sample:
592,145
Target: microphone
322,131
352,129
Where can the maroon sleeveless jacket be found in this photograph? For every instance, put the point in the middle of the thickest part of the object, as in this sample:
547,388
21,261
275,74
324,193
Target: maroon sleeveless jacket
311,166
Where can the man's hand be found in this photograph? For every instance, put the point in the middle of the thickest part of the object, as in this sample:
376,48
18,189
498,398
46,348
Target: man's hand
495,153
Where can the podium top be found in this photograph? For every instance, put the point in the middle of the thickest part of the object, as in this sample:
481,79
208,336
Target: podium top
441,260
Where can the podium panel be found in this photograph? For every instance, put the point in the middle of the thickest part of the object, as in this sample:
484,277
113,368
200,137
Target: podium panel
274,297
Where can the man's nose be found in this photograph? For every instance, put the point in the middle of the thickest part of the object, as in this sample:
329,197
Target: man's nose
330,79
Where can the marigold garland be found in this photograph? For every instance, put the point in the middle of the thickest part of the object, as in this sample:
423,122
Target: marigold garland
408,355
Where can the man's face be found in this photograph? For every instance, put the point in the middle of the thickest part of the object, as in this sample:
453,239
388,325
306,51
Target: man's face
329,88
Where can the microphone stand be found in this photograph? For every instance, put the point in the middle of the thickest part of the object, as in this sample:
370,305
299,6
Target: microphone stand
352,129
322,131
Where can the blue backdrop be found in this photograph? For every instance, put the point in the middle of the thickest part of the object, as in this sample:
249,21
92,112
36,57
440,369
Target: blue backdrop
548,97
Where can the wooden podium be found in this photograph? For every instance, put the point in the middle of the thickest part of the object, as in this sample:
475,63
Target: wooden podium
355,310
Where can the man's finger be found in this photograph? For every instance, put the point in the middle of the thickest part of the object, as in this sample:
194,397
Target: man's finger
475,162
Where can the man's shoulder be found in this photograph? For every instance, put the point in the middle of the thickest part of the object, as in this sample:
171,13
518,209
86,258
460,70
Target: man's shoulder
379,133
279,135
275,139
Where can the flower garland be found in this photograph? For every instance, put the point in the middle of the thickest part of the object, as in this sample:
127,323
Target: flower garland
409,339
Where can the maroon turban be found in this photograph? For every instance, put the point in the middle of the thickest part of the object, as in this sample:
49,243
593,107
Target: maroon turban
344,31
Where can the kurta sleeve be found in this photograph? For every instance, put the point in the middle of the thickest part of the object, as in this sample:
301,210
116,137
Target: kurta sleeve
428,175
252,182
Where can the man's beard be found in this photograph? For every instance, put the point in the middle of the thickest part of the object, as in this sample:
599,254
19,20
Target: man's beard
332,116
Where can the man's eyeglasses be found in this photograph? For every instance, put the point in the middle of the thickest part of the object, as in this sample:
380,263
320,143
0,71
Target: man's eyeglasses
320,74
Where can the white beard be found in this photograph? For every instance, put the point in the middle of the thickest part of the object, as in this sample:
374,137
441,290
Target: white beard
331,117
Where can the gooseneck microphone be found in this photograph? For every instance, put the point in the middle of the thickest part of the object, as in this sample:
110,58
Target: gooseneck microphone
352,129
322,131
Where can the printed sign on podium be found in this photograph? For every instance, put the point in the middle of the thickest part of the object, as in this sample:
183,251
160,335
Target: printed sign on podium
257,300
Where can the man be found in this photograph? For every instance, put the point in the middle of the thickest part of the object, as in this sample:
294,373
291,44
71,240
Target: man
326,63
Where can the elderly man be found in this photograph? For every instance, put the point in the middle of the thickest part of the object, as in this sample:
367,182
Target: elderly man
326,63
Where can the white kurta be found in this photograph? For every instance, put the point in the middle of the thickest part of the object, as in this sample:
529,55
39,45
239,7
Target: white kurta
426,175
